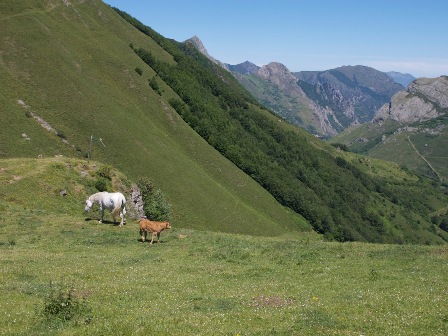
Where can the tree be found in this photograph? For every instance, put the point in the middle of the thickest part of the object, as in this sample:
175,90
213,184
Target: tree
155,205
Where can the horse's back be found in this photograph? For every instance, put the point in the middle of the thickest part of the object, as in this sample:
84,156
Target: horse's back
118,198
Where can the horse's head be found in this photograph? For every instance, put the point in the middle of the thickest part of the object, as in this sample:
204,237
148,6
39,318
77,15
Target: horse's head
88,205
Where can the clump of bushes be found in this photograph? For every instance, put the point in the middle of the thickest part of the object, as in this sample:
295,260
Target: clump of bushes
153,84
139,71
61,134
155,205
64,303
103,178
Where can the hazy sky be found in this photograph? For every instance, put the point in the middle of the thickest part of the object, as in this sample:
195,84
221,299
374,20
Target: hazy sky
408,36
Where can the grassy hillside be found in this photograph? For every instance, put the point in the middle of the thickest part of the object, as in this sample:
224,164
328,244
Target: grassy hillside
72,67
85,72
65,274
419,146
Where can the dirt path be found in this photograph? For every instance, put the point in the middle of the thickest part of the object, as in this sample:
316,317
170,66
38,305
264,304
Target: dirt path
424,159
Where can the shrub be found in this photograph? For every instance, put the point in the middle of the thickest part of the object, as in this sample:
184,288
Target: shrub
102,184
155,206
64,303
139,71
153,84
105,172
61,134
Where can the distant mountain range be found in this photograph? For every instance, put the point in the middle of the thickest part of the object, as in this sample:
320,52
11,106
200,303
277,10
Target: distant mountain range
322,102
392,116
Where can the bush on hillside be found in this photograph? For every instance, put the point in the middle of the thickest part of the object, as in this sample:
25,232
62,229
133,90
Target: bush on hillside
103,184
153,84
155,205
64,303
105,172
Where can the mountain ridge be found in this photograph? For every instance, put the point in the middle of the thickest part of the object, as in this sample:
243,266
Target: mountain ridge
322,102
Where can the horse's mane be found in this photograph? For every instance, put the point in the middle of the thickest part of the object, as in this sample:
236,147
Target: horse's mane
94,197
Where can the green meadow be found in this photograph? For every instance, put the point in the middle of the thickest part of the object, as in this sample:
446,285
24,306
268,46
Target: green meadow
204,283
63,273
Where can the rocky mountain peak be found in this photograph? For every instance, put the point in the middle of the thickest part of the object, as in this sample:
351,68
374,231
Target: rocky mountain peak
423,100
435,89
276,70
244,68
197,43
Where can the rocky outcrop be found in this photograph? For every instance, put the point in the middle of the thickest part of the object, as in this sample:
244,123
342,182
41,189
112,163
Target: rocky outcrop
424,99
244,68
434,89
197,43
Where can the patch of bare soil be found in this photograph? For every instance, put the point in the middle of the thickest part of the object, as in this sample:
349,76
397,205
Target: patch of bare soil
271,301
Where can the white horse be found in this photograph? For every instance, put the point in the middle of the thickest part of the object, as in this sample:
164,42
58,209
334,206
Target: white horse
114,202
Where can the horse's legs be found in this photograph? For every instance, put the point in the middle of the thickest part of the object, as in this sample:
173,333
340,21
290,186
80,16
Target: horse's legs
102,216
114,212
123,217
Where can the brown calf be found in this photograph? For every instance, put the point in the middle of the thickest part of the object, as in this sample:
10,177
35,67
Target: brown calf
155,227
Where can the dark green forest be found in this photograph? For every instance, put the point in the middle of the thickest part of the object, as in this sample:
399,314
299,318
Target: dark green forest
340,201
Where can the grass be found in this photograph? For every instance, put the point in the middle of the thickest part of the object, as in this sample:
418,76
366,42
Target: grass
205,283
429,138
195,282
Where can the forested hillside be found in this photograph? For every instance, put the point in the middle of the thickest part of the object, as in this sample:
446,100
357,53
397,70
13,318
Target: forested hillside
328,187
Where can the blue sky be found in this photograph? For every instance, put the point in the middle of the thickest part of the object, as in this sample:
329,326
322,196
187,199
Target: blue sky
389,35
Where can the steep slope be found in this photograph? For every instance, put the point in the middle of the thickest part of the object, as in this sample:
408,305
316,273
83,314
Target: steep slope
352,93
70,65
410,131
275,87
333,190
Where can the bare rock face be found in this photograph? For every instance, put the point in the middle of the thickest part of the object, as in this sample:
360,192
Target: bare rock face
423,100
136,203
295,101
197,43
275,71
434,89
